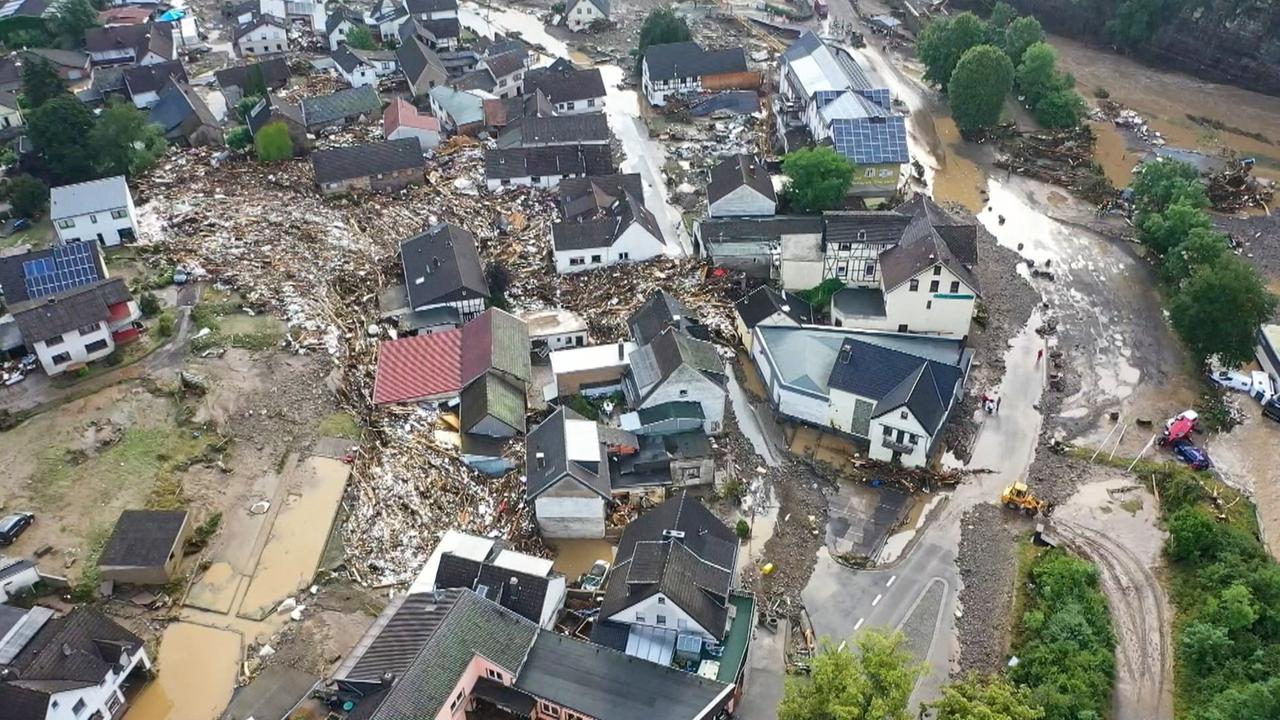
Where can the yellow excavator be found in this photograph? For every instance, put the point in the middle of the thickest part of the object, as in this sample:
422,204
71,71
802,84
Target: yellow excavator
1019,497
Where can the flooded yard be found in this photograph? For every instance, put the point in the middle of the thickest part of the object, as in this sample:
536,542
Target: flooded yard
197,672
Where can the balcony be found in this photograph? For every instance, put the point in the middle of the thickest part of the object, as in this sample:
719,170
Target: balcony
901,447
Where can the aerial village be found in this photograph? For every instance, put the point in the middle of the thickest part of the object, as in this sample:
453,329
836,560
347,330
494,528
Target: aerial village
611,359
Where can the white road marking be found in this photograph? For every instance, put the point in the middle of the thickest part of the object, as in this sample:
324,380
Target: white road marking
876,601
890,583
860,621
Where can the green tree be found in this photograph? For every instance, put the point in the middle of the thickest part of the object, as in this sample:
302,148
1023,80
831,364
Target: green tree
1022,34
1135,21
1192,536
944,41
125,140
359,38
40,81
255,84
1234,608
59,128
28,196
1201,247
149,304
985,697
1164,231
978,87
246,105
239,138
273,143
662,26
1060,109
1159,183
874,683
1219,310
73,18
1037,74
28,37
819,179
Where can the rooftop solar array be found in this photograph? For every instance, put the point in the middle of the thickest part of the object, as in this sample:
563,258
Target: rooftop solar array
871,141
67,267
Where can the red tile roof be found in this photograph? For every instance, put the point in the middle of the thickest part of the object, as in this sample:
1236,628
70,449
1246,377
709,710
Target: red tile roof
419,368
118,312
401,114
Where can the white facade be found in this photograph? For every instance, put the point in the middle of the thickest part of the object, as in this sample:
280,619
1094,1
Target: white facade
10,117
634,245
312,13
105,699
18,581
339,34
360,76
428,139
266,39
801,261
897,436
689,385
89,343
743,201
934,302
509,85
657,91
581,14
570,517
659,611
99,210
546,182
580,107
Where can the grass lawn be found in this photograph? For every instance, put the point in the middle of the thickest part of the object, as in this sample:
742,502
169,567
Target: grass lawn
340,424
39,235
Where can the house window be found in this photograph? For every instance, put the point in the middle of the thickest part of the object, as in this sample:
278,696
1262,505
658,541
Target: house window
955,286
574,261
913,286
684,392
937,269
681,623
78,707
87,329
843,247
928,305
639,617
93,219
568,106
595,259
55,340
494,675
624,256
862,236
869,270
902,327
871,172
61,358
933,286
457,700
591,102
96,346
535,179
903,414
69,223
662,619
119,214
662,600
888,431
842,270
506,182
913,439
546,708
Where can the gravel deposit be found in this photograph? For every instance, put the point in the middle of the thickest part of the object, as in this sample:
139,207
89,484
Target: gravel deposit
988,564
1055,476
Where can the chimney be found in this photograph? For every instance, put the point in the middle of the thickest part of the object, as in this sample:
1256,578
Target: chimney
435,262
513,588
622,351
542,459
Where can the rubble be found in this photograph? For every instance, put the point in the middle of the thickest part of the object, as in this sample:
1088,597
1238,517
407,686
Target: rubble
1235,188
1060,157
988,563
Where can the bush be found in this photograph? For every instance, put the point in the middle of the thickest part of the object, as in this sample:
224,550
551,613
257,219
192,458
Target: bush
239,138
166,325
246,105
1101,93
742,528
28,196
149,304
273,143
1060,109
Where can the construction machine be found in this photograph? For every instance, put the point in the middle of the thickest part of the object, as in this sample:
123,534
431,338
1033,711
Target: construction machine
1019,497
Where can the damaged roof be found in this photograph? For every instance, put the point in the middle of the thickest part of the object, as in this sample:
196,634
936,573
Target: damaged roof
583,196
358,161
504,164
342,105
275,74
496,340
764,302
421,367
670,61
442,265
151,78
604,231
658,312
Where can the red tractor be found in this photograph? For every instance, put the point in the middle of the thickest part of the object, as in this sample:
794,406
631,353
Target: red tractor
1179,428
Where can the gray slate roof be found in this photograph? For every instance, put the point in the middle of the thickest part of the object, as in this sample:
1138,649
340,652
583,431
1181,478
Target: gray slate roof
56,314
505,63
356,161
345,59
342,105
762,229
336,18
764,301
524,597
275,73
555,130
178,103
502,164
586,196
415,58
394,640
447,262
562,82
603,683
150,78
894,378
736,171
600,232
143,538
13,285
923,246
473,626
670,61
658,312
654,363
695,571
550,440
76,650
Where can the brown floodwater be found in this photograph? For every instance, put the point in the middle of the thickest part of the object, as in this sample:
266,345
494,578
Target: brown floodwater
1112,152
957,178
197,672
575,557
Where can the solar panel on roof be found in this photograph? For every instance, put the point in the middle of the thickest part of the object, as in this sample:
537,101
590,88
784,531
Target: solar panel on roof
871,141
67,267
11,7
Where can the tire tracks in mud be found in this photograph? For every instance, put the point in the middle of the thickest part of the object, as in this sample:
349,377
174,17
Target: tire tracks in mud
1141,619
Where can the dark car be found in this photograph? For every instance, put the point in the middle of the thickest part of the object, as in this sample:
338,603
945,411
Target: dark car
11,526
1197,458
1271,408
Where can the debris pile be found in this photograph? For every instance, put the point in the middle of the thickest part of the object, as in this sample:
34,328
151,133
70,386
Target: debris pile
1235,188
987,561
1061,157
1117,114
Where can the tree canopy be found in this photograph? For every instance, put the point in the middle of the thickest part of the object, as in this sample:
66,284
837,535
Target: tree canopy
125,141
28,196
1159,183
985,697
1062,108
1219,309
873,683
660,27
359,38
273,143
1020,35
73,17
944,41
1202,246
1037,75
1163,231
819,179
60,128
40,81
978,87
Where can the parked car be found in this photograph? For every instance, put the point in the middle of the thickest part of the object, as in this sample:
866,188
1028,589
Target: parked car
1271,409
1232,380
11,526
594,578
1260,386
1196,457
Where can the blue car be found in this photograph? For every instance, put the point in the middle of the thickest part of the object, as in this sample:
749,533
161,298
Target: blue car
1197,458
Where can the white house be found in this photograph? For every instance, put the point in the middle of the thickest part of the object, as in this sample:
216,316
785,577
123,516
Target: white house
312,14
340,22
362,68
569,89
264,35
544,167
386,17
16,576
555,329
590,370
890,390
401,120
684,67
677,367
567,476
625,232
442,271
77,326
767,307
740,186
99,210
580,14
508,70
10,113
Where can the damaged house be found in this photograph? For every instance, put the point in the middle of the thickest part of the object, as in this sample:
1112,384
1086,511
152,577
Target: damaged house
273,109
237,82
570,89
143,83
421,66
340,108
766,307
676,367
625,231
568,481
545,167
444,279
362,68
378,167
580,15
554,130
185,117
523,584
685,68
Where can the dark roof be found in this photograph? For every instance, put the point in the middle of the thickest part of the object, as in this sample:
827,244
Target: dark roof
143,538
396,637
342,105
76,650
415,58
477,79
495,397
275,73
670,61
868,226
345,59
921,247
178,103
761,229
442,264
736,171
586,196
356,161
473,626
71,263
550,439
562,82
504,696
679,549
555,130
255,23
601,5
603,683
56,314
8,568
604,231
496,340
418,7
20,703
441,28
524,597
659,312
548,161
335,18
506,63
272,108
961,236
154,36
150,78
765,301
862,301
894,378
